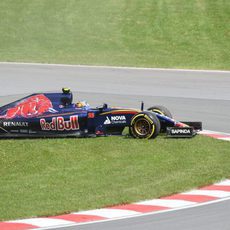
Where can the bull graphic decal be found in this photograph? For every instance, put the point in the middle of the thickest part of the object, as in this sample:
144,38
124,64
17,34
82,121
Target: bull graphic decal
30,107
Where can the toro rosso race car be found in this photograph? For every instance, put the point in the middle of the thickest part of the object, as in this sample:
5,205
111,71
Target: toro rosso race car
55,115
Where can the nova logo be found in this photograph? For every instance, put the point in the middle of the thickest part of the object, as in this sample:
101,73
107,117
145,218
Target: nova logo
59,124
115,120
118,118
107,121
181,131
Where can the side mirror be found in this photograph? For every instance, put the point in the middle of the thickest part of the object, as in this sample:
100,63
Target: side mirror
142,106
103,107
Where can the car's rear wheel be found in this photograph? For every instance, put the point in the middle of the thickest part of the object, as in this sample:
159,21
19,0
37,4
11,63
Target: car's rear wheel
144,125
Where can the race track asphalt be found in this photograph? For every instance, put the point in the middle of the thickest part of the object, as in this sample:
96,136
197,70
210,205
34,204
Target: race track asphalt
189,95
209,217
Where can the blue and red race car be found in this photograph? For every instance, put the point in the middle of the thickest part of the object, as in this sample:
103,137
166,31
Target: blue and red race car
55,115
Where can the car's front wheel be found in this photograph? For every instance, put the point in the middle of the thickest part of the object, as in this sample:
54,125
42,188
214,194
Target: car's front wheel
159,109
144,125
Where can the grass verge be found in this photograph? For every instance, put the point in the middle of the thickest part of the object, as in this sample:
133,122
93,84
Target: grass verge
51,176
150,33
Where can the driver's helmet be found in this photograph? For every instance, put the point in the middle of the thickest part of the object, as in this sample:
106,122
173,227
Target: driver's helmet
81,104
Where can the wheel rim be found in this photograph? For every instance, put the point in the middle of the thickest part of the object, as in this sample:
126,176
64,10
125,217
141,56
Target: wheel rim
142,127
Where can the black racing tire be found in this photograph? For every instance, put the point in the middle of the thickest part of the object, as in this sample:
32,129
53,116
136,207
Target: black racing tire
163,111
144,125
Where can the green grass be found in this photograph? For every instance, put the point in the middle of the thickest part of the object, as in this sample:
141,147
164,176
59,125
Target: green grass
150,33
51,176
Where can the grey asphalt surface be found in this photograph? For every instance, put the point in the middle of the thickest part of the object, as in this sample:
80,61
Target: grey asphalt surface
209,217
201,96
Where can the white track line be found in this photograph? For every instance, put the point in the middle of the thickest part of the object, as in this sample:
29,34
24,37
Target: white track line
109,213
224,138
44,222
115,67
213,193
167,203
224,183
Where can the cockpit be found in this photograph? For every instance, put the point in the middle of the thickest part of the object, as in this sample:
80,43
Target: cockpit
67,101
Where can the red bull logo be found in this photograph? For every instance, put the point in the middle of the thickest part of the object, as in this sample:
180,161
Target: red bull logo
59,124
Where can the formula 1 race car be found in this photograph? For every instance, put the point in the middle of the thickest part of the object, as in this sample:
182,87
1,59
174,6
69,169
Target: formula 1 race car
55,115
